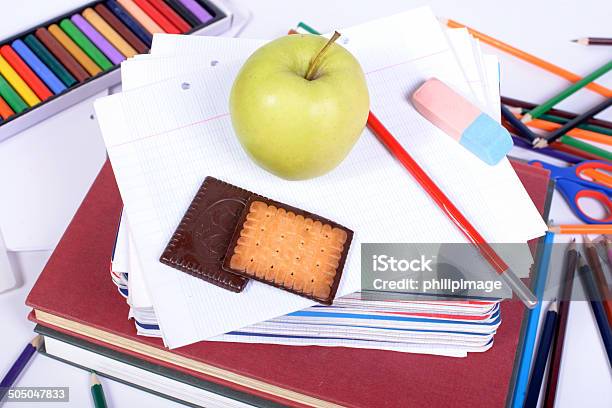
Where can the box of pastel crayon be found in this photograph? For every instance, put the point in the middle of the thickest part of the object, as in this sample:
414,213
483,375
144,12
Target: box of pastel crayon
76,55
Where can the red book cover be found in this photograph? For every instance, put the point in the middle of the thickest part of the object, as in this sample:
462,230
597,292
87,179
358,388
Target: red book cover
75,285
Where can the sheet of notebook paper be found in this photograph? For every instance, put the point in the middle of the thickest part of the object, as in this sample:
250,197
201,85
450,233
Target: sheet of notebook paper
160,155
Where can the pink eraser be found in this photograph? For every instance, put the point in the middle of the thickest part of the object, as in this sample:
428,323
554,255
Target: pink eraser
462,120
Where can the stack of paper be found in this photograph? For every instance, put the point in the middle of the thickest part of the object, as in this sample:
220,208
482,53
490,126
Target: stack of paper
170,128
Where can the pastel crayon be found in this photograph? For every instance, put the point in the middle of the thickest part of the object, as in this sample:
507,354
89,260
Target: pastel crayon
5,110
87,63
158,17
121,29
141,16
49,60
61,54
109,33
171,15
95,37
463,121
200,12
183,11
130,22
11,97
33,81
18,83
43,72
87,46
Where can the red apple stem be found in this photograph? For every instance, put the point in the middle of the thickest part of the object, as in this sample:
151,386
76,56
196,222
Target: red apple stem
314,63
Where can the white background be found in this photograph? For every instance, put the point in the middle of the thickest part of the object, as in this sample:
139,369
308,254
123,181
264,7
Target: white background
68,158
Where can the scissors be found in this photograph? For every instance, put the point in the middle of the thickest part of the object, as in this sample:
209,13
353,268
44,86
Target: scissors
573,185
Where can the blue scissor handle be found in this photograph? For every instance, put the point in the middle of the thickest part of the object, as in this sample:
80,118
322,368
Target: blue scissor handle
573,191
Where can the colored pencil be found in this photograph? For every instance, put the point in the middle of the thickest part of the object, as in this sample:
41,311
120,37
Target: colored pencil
18,366
43,72
525,349
520,127
67,60
5,110
586,147
85,44
570,76
60,35
567,283
598,176
576,86
593,41
452,212
600,277
200,12
171,15
97,393
583,126
184,12
157,16
33,81
571,124
109,33
18,84
581,229
547,151
539,366
598,311
130,22
557,112
139,14
307,28
97,39
121,29
11,97
49,60
550,123
575,151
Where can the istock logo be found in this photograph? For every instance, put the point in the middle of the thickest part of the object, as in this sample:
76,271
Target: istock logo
385,263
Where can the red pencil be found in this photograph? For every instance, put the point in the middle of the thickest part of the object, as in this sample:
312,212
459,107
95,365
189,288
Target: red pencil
452,212
174,18
158,17
24,71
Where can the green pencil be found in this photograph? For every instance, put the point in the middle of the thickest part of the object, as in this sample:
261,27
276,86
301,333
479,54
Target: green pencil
87,46
11,97
549,104
586,147
308,28
96,392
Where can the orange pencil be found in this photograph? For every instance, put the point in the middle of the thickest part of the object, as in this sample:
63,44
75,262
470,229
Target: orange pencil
5,110
598,176
555,69
581,229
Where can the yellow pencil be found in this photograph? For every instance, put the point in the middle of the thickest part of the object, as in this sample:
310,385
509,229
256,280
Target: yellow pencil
581,229
109,33
74,50
17,83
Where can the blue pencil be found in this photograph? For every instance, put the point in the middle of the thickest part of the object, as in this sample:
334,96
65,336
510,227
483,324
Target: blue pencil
19,364
537,375
533,317
132,24
595,300
517,124
39,67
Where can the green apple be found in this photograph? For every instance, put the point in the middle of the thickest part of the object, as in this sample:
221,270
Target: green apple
299,104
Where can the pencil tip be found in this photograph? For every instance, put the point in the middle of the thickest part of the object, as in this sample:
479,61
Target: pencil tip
37,341
93,378
586,240
540,143
526,118
554,306
575,40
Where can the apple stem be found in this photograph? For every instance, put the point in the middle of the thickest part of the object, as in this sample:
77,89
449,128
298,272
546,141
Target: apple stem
314,63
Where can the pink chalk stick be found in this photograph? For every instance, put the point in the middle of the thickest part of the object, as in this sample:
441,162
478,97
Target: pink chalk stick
445,108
